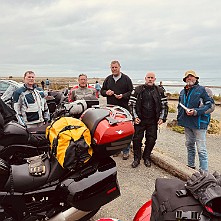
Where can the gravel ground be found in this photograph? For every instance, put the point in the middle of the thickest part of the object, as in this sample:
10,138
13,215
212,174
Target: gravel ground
136,187
137,184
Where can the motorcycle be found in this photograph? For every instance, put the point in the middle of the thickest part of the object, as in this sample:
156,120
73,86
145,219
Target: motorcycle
144,213
58,193
27,142
59,100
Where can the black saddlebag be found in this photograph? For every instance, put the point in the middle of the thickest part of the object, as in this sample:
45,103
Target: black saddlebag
4,173
94,186
171,201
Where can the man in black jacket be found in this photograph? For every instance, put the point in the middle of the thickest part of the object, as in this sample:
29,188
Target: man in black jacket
148,106
117,87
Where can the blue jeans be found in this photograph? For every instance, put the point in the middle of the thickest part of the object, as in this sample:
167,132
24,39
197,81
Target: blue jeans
196,137
126,150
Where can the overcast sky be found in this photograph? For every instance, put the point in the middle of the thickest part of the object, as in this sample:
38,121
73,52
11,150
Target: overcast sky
69,37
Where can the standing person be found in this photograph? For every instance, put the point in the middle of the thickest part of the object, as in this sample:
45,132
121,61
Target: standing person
47,82
98,88
43,84
161,85
195,119
117,87
29,103
82,91
149,108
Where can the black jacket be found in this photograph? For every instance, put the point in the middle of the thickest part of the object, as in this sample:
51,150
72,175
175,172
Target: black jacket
6,114
122,86
159,97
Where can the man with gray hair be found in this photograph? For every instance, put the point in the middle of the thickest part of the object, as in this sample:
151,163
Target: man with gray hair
82,91
148,106
195,106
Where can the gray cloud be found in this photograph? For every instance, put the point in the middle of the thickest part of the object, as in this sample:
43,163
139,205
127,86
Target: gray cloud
70,37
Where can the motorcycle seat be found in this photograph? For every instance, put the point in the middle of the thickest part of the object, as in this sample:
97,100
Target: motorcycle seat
92,117
23,181
16,150
38,130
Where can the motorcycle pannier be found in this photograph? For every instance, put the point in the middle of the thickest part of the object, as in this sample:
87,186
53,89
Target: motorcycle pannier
171,201
70,142
4,172
111,129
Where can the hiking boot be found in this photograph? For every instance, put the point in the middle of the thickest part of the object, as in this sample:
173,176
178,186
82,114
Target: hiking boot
193,167
135,163
125,156
147,163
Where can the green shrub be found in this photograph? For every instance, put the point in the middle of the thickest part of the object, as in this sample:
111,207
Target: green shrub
178,129
172,108
217,97
214,127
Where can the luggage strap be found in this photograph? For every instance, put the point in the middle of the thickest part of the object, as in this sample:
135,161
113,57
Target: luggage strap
188,215
36,165
55,141
191,215
181,193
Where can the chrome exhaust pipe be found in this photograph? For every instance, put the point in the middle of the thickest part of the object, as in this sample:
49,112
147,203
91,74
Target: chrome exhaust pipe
71,214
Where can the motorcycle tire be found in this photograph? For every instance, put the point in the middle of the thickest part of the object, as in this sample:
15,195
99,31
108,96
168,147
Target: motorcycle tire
89,215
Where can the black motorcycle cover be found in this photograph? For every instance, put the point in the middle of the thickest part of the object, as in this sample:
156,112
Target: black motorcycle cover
170,201
6,114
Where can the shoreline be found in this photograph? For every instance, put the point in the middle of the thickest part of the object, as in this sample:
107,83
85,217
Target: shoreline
90,80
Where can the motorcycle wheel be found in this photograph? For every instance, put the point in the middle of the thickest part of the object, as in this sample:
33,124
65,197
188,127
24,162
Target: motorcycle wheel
89,215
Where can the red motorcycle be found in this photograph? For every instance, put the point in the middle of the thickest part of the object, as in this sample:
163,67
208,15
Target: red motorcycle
144,213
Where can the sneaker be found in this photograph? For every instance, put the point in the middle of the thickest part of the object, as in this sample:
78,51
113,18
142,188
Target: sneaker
125,156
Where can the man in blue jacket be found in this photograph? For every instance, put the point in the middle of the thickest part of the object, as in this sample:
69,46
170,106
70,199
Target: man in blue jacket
194,102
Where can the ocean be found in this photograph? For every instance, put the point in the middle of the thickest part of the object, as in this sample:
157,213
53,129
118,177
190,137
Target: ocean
175,85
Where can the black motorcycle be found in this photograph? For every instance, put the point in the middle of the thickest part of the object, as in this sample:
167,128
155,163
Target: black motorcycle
58,193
